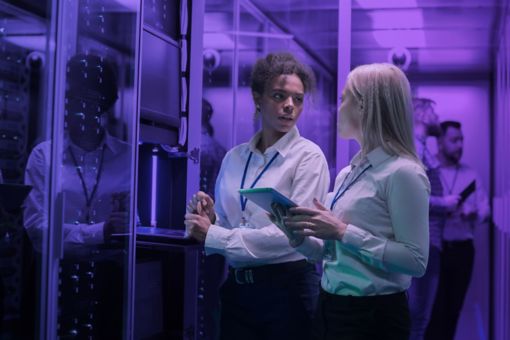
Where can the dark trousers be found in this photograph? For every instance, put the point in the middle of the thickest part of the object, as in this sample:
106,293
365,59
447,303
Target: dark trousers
381,317
269,302
456,268
422,295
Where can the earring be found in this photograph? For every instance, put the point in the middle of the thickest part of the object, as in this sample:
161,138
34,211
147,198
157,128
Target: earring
257,111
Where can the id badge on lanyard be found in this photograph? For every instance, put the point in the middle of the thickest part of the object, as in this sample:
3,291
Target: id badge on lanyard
244,201
244,223
330,245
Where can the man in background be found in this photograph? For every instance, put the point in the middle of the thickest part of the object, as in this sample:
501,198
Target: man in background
457,256
423,290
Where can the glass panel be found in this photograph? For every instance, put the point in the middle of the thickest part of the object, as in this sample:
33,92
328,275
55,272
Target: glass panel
160,89
24,121
217,113
216,137
162,15
251,46
96,170
217,116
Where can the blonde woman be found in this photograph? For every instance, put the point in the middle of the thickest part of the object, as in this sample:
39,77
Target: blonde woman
375,223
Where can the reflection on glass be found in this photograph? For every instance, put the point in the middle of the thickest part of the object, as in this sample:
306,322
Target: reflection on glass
163,16
95,186
90,158
94,177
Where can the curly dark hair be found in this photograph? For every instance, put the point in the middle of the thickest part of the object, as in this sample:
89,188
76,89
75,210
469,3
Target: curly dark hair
276,64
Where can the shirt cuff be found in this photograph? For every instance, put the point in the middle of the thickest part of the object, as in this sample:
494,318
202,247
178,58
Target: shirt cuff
353,236
370,248
311,248
216,239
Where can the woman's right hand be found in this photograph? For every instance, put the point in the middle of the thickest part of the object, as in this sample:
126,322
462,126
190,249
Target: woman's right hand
202,204
278,217
320,222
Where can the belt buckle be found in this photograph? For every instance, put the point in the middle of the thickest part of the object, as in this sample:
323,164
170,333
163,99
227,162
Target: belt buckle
248,276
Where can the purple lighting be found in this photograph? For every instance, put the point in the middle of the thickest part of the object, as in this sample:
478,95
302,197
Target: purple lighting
397,19
154,187
368,4
405,38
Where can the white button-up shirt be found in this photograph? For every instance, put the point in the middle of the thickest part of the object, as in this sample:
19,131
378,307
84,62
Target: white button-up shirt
299,172
115,177
386,240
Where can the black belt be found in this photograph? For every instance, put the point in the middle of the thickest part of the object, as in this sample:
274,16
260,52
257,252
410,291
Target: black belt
347,300
251,275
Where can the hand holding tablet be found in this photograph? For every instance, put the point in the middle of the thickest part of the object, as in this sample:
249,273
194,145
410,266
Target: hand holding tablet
265,197
276,204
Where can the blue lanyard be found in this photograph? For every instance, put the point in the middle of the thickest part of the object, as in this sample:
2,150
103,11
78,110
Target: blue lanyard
343,188
244,201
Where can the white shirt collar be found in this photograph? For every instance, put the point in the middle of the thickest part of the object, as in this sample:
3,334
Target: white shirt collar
374,157
282,146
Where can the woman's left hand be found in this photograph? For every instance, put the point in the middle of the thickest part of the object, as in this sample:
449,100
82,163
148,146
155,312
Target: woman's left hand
320,222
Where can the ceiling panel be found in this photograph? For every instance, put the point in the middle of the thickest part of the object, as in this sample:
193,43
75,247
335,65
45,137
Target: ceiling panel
441,34
447,18
430,39
428,61
394,4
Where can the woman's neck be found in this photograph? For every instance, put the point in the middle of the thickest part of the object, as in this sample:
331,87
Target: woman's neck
357,136
268,138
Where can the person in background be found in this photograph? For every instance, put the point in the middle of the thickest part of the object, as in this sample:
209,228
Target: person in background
375,222
96,181
271,290
423,290
457,256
